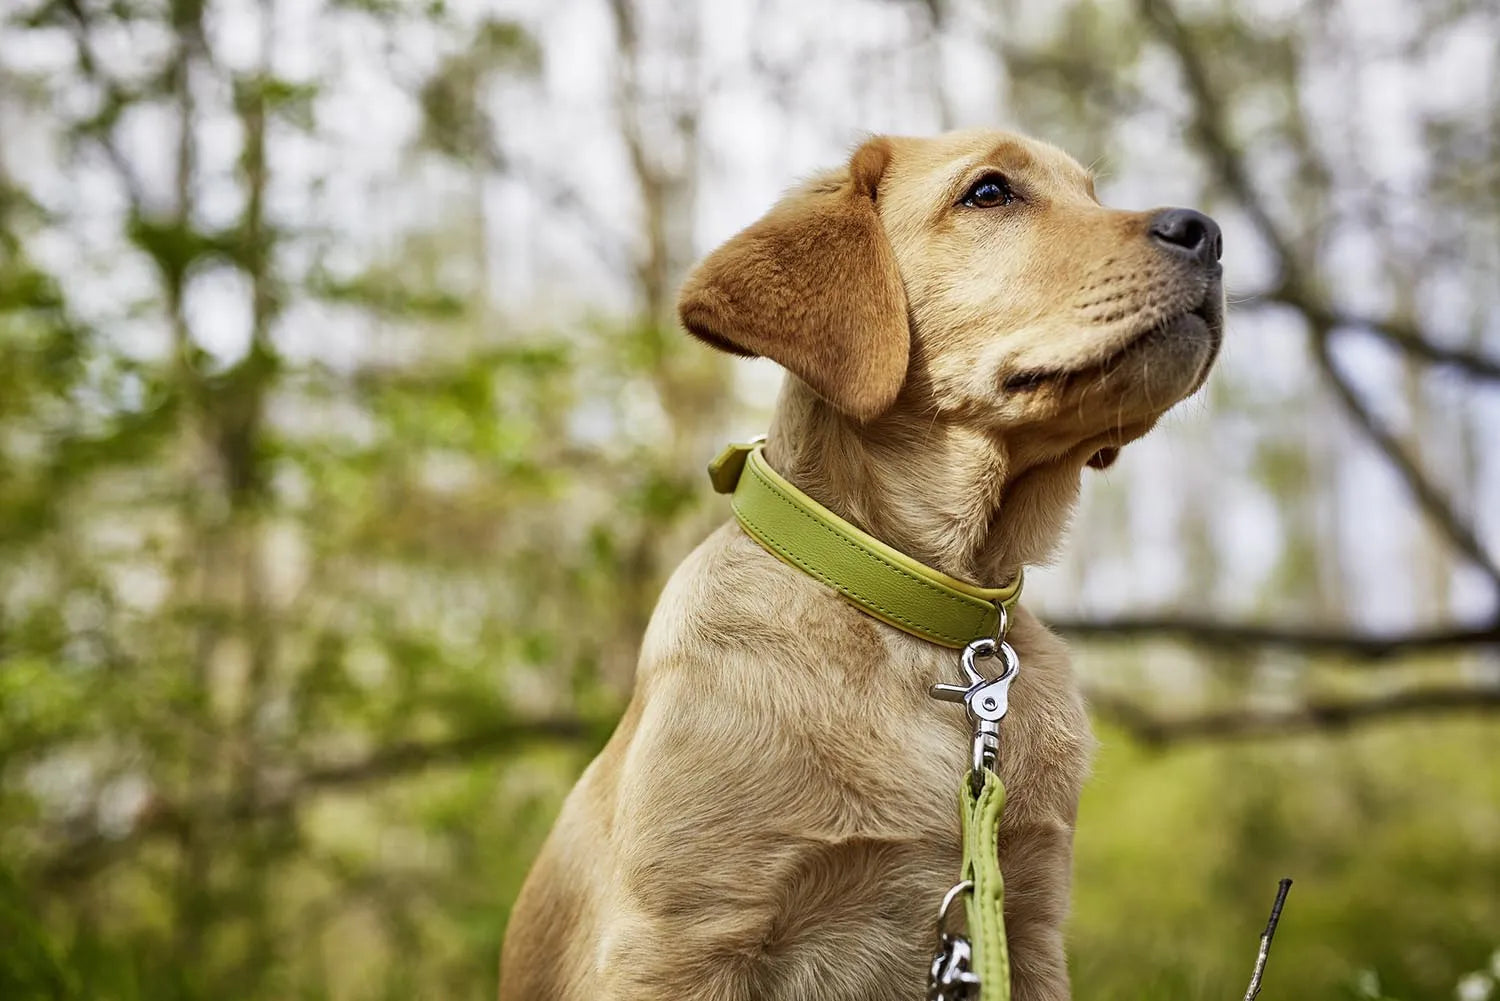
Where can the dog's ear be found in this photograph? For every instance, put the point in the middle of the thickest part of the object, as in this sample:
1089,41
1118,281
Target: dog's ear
1105,457
813,285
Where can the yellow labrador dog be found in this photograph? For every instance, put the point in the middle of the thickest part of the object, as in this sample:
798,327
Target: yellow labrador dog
965,328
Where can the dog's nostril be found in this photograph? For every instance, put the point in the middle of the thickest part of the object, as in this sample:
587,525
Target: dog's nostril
1190,232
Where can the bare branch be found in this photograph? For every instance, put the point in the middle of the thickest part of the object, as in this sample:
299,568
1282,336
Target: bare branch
87,855
1427,495
80,28
1214,634
1282,889
1315,716
1403,335
1207,125
409,756
1207,122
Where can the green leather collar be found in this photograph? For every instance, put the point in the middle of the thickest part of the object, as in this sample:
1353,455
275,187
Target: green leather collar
887,584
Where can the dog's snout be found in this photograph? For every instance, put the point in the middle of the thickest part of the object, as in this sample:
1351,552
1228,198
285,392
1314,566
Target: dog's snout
1189,233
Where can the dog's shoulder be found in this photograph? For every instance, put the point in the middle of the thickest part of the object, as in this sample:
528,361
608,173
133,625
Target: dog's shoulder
731,597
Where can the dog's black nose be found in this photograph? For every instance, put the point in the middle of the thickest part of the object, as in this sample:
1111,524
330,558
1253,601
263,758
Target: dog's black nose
1183,231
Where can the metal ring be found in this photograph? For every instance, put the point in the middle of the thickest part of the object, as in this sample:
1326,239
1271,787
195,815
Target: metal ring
961,887
1002,624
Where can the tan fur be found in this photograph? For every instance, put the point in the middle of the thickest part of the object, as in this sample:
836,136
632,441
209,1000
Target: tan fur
775,817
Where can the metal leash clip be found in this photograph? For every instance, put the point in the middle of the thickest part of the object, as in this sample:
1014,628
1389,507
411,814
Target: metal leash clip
951,977
986,700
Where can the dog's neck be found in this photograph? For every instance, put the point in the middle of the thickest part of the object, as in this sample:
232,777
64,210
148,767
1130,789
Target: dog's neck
963,500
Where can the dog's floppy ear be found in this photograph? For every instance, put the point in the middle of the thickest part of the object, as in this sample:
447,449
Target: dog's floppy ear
813,285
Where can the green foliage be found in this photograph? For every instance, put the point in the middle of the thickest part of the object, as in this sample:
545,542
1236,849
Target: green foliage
455,118
1393,841
272,629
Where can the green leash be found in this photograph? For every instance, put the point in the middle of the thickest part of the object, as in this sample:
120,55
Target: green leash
900,591
986,905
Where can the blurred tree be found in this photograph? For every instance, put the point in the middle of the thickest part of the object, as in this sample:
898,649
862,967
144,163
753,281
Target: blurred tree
242,575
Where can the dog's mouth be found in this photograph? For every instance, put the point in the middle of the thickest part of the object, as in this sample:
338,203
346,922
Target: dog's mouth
1203,322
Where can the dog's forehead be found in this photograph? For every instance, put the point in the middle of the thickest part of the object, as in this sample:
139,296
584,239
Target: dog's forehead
941,158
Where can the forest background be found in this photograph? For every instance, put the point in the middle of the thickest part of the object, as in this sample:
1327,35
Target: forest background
347,436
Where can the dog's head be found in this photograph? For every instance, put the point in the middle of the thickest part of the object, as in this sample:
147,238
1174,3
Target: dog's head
973,275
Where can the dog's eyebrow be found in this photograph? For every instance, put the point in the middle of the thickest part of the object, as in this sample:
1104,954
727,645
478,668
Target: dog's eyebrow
1007,156
1011,156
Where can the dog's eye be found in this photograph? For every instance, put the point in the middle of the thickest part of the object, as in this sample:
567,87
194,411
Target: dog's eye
989,192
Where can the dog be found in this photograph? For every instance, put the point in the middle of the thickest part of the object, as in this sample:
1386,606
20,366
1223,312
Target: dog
964,329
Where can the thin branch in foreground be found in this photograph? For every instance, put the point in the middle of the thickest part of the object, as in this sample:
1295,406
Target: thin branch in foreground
1213,634
1311,717
1265,939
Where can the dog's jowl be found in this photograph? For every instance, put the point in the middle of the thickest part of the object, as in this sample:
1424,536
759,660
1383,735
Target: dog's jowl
965,329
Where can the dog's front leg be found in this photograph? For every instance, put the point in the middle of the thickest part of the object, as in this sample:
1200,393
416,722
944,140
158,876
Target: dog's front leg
1036,860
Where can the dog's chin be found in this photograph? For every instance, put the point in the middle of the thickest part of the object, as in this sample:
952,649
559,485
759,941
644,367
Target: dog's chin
1151,371
1170,361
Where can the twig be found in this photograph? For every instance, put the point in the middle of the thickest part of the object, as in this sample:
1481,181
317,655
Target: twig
1209,129
80,27
1213,634
1403,335
1316,716
1426,493
1207,124
1265,939
161,817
